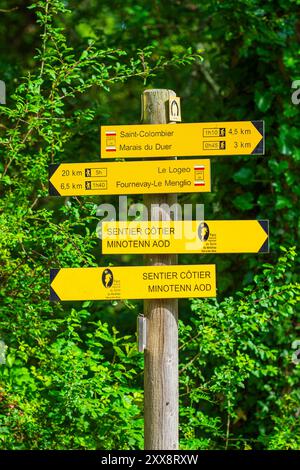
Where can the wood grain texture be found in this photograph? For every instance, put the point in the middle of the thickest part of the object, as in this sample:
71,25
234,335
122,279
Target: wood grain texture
161,354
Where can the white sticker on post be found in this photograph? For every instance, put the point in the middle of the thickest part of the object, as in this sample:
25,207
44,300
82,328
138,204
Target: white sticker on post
174,109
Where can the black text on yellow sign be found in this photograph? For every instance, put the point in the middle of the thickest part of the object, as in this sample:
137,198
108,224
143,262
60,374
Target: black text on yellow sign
88,179
138,282
210,236
198,139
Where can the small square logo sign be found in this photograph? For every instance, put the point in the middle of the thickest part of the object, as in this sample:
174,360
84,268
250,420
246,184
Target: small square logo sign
111,143
174,109
2,92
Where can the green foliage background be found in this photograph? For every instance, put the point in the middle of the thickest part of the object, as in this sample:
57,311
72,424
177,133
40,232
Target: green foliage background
73,378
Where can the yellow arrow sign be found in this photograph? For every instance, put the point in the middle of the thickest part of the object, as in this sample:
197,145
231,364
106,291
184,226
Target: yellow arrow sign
165,140
138,282
87,179
210,236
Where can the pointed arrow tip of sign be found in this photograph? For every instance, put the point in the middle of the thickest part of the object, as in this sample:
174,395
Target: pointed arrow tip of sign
260,147
52,190
265,226
259,126
53,296
53,274
52,168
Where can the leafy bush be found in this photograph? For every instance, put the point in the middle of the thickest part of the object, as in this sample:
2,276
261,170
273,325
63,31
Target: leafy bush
76,390
78,384
241,386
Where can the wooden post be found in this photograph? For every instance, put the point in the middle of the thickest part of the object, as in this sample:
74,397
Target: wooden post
161,353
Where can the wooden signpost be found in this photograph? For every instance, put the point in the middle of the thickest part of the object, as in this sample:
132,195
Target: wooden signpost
161,384
161,281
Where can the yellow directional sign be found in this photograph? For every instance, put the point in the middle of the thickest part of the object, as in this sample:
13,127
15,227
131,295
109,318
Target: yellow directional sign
210,236
165,140
138,282
87,179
